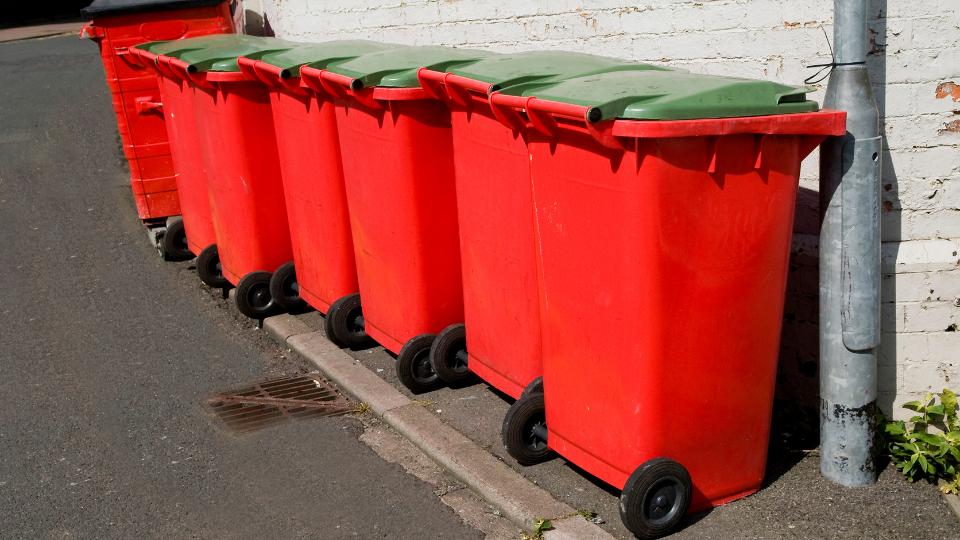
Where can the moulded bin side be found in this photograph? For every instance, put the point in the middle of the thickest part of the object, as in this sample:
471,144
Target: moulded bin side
310,164
136,95
663,252
399,181
188,160
398,170
239,152
497,250
692,266
495,209
316,200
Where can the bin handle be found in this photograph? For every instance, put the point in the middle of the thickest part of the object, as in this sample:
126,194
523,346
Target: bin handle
146,105
128,56
541,116
342,85
277,76
145,58
161,64
545,111
824,122
310,77
186,73
539,112
248,67
348,83
173,70
460,88
92,32
432,82
508,110
454,88
260,71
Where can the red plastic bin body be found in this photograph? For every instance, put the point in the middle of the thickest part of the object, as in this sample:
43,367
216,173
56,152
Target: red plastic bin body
497,244
663,259
399,177
136,95
185,148
308,148
239,152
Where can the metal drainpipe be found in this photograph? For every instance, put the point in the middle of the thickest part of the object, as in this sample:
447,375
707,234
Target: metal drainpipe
850,261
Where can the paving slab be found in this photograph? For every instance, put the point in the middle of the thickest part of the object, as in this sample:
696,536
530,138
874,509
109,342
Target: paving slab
795,502
514,496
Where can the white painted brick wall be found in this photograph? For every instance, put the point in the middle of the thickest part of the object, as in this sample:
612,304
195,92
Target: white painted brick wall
916,51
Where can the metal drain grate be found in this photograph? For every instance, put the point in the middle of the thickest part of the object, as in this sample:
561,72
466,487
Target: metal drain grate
276,400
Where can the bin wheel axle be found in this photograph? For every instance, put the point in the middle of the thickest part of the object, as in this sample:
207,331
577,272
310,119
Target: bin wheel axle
535,387
285,290
524,431
344,323
413,365
448,355
209,269
172,243
253,296
655,498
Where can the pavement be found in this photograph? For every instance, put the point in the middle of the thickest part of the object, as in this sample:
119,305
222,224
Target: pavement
118,351
795,501
40,30
108,355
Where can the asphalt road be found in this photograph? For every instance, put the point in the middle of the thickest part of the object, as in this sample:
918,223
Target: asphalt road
108,353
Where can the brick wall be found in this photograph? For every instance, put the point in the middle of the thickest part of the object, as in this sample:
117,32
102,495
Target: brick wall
914,64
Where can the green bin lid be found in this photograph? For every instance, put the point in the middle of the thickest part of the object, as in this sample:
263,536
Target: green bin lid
223,56
541,66
321,55
180,46
672,95
397,67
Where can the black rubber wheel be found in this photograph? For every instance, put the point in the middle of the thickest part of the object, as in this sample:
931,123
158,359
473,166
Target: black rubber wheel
209,270
655,498
344,323
253,296
173,244
524,431
285,290
413,365
535,387
448,354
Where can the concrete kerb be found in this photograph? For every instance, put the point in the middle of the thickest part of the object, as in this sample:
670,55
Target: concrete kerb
517,498
283,327
347,373
953,501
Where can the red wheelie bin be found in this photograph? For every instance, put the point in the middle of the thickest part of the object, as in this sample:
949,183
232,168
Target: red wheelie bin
183,131
239,154
664,210
495,218
116,26
323,272
398,168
